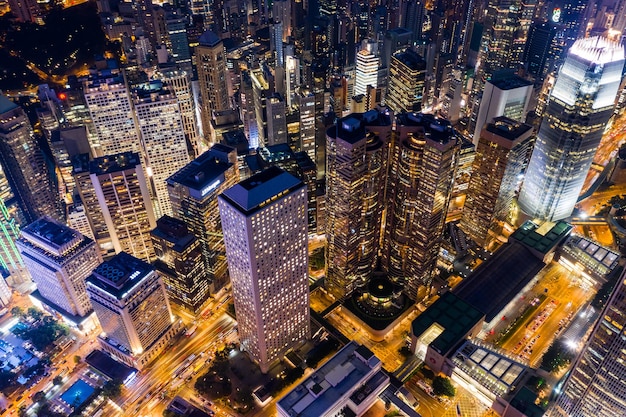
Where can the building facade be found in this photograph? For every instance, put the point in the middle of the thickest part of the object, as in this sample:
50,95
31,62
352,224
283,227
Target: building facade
265,231
407,75
500,158
595,386
356,167
130,301
211,64
180,262
580,105
120,187
422,165
59,260
193,192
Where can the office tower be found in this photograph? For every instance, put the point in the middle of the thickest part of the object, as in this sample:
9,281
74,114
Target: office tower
129,299
502,149
407,75
265,231
396,39
539,50
423,160
111,111
176,41
282,12
356,164
162,138
23,164
179,82
366,68
86,194
193,192
64,144
595,385
292,74
123,198
413,17
59,260
77,218
579,107
306,106
179,260
276,120
211,66
260,94
505,94
10,258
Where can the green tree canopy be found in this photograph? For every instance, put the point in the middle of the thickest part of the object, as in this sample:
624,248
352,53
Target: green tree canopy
443,386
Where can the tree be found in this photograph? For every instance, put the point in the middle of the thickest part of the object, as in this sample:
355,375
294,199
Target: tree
58,380
557,356
112,388
77,359
34,313
443,386
17,311
38,396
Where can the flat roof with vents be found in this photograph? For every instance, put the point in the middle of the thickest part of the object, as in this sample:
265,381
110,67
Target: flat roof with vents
354,370
119,274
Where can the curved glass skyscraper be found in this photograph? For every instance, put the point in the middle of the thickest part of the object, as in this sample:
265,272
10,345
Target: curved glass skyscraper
579,107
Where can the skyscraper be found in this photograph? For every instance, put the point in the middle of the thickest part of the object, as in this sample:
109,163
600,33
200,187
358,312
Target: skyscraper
265,231
502,149
24,166
123,198
211,64
505,94
356,165
162,138
179,260
580,104
423,159
366,69
407,75
59,260
193,192
129,299
111,111
595,385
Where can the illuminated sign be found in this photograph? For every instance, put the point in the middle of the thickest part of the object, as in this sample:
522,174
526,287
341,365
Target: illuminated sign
556,15
210,187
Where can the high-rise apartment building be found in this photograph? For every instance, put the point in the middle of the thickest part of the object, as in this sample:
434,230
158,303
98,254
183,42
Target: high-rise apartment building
211,65
265,231
179,260
123,198
111,111
500,155
193,192
59,260
407,75
595,385
505,94
580,105
179,82
356,165
162,138
422,164
130,301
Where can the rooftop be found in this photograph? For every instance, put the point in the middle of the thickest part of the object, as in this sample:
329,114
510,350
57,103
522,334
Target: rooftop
353,128
258,190
411,59
497,281
542,238
598,49
119,274
435,128
506,80
508,128
114,163
205,173
108,366
353,366
209,38
6,104
454,315
53,234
